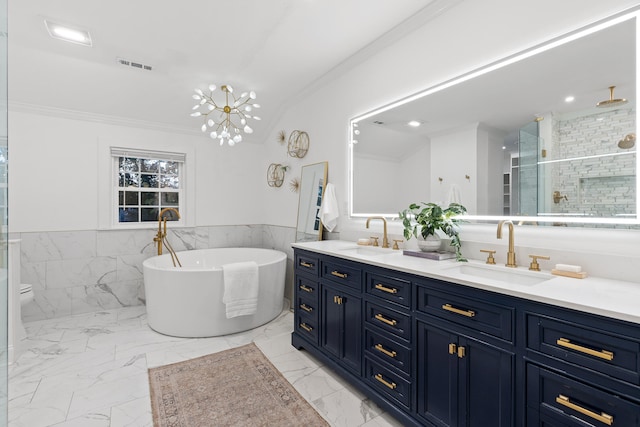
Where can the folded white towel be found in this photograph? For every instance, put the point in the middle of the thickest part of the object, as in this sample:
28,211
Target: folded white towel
240,288
329,212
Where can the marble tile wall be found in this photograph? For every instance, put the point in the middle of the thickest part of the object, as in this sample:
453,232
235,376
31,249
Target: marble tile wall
75,272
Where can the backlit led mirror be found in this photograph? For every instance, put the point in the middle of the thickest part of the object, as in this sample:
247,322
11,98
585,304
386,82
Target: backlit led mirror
540,137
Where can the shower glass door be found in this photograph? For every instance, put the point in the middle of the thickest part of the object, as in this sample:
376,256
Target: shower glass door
3,216
528,169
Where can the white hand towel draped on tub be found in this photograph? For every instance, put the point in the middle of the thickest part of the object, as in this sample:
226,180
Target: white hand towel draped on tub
240,288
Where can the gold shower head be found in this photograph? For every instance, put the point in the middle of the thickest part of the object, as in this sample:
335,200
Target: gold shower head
628,141
611,102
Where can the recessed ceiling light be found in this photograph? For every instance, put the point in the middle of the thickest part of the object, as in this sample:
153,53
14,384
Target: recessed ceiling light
414,123
570,98
68,33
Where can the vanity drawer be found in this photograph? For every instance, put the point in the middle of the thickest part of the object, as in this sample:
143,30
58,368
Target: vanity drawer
342,272
490,318
565,400
388,383
307,263
307,306
388,319
307,327
390,288
307,288
600,350
382,348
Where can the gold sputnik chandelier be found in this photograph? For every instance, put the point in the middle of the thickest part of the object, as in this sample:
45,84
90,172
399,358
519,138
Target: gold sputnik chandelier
225,120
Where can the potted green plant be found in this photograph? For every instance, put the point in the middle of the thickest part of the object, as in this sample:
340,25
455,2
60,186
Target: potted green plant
423,220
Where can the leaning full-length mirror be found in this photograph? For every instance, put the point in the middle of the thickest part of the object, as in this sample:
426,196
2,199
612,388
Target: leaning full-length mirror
541,135
312,184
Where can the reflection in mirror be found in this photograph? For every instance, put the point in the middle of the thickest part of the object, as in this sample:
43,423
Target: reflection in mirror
529,137
312,185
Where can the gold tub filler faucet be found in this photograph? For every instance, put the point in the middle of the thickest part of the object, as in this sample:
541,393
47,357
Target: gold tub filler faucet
161,235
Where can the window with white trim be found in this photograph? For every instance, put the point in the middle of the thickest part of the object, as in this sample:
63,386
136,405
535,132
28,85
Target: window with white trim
145,183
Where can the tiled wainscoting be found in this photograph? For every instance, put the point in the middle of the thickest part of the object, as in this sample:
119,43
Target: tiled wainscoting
75,272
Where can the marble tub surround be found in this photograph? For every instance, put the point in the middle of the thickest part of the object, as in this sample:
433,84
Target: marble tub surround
75,272
607,297
90,370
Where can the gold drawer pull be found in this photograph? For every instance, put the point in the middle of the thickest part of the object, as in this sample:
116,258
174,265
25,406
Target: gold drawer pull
306,288
306,264
383,350
467,313
306,327
391,385
306,308
383,319
338,274
603,354
383,288
602,417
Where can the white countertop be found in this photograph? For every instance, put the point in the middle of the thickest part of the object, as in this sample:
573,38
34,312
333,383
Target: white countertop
606,297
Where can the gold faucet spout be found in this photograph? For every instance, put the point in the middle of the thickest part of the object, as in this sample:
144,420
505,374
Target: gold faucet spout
385,239
511,254
161,234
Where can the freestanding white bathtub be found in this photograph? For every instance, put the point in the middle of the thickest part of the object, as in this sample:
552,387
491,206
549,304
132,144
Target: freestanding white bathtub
187,301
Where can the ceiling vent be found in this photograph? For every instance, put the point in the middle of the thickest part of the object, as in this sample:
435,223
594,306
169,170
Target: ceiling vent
132,64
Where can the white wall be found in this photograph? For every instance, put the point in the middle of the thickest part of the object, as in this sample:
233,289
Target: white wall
57,173
470,35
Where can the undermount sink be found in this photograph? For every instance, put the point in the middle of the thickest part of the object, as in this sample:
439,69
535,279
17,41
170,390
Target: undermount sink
502,274
366,251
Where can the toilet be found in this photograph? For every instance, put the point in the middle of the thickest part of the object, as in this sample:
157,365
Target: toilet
26,294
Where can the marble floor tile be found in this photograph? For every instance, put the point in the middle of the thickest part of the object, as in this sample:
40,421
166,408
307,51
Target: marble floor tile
90,370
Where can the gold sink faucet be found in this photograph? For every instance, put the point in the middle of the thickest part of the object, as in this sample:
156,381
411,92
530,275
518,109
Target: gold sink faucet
511,254
385,239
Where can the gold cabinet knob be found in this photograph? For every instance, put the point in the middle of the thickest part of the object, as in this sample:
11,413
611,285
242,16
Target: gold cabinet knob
534,266
490,258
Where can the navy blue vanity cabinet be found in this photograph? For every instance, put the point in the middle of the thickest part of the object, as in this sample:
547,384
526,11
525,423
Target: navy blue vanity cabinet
434,353
328,308
581,369
466,358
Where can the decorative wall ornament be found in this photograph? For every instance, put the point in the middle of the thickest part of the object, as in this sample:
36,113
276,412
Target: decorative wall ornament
275,174
294,185
226,118
282,137
298,144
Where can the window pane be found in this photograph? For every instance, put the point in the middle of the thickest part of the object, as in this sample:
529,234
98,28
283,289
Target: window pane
149,198
128,214
121,198
131,198
170,182
149,214
149,181
169,168
129,180
128,164
149,165
170,199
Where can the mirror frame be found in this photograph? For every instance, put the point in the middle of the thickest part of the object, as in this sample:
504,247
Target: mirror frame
312,197
629,14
